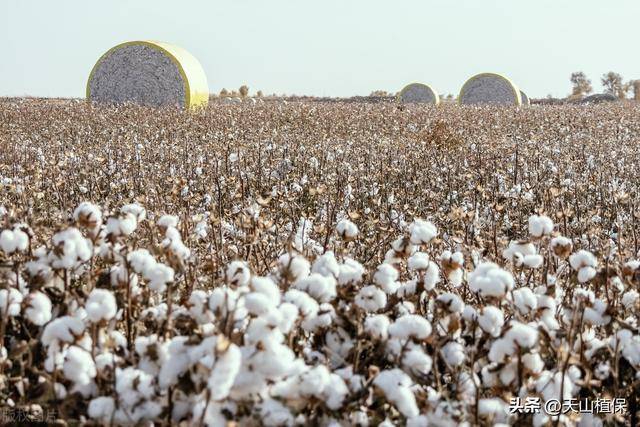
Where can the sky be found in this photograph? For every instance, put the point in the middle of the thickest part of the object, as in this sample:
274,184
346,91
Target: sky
328,47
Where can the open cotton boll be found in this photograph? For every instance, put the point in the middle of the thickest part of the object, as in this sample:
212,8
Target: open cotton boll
173,244
494,409
102,409
418,261
38,308
416,360
14,240
540,225
79,366
71,249
267,287
451,302
238,274
139,212
303,301
10,301
410,326
630,299
294,267
522,334
351,271
584,262
533,362
489,280
274,413
491,320
123,225
224,372
101,305
65,329
422,231
326,265
347,229
159,276
386,277
525,300
168,221
371,299
377,326
516,249
453,353
322,288
87,215
396,386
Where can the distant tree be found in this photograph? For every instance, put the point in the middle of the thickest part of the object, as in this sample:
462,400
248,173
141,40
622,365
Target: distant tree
244,91
636,90
234,93
614,84
379,93
224,92
259,94
581,84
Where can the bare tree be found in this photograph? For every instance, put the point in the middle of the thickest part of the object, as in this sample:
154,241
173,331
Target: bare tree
636,90
259,94
244,91
581,84
614,84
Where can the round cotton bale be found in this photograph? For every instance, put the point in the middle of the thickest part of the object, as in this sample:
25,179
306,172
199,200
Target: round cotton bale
148,73
418,93
489,88
524,98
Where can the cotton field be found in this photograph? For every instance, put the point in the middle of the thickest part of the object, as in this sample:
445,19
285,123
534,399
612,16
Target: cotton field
330,264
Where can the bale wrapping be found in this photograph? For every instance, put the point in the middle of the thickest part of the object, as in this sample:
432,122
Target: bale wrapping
489,88
524,98
418,93
148,73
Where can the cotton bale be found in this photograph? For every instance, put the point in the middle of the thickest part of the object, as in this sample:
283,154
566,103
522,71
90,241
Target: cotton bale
489,88
418,93
148,73
525,99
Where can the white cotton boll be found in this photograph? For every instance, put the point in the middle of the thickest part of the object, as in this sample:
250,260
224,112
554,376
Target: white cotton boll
65,329
322,288
257,304
377,326
238,274
422,231
469,313
404,308
79,366
582,259
359,418
532,261
410,326
453,353
174,245
417,360
431,276
386,277
303,301
585,274
124,225
176,362
451,302
501,349
533,362
13,241
267,287
525,300
517,250
101,305
351,271
294,267
395,385
38,308
522,334
595,315
489,280
540,225
371,299
418,261
159,276
273,413
102,408
630,299
71,249
335,392
289,314
494,408
136,210
408,288
326,265
347,229
10,300
88,215
168,221
224,372
491,320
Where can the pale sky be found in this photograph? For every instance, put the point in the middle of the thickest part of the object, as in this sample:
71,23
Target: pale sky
327,47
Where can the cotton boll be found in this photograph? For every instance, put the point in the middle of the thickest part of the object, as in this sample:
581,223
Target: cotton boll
630,299
289,314
224,372
139,212
102,408
274,413
453,353
518,250
159,276
525,300
168,221
561,247
101,305
371,299
71,249
418,261
494,409
501,349
489,280
79,366
267,287
10,300
65,329
88,215
533,362
326,265
410,326
347,230
294,267
322,288
14,240
306,304
38,308
351,271
386,277
522,334
451,302
491,320
416,360
532,261
540,225
238,274
422,231
584,263
377,326
396,386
